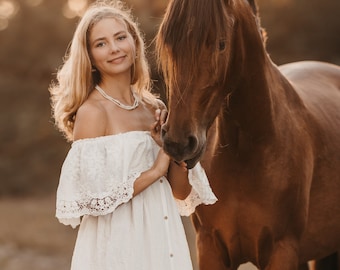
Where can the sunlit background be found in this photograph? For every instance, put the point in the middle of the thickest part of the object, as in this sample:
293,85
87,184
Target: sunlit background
34,35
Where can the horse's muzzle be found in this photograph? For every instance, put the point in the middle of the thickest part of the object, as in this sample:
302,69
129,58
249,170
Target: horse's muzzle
184,149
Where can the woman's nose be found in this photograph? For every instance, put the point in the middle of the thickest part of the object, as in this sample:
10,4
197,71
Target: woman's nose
114,47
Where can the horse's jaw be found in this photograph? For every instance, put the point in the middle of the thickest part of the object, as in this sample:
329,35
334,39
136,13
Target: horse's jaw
193,161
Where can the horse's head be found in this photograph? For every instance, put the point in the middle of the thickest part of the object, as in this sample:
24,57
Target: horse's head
194,45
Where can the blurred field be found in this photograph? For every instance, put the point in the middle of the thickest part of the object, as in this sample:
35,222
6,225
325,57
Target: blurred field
31,238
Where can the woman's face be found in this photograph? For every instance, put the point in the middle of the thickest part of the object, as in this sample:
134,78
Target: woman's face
112,47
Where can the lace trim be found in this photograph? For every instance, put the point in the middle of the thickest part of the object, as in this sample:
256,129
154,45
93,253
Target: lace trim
95,205
187,206
200,193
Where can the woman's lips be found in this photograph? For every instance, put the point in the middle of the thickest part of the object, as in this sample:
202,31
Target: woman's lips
117,60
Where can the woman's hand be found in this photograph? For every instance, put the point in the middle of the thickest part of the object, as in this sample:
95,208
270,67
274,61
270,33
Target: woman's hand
182,165
160,116
159,168
161,165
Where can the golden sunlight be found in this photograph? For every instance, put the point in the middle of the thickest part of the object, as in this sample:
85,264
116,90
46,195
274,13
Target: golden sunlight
34,3
74,8
8,9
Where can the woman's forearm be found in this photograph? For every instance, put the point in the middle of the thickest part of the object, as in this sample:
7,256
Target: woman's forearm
144,180
178,179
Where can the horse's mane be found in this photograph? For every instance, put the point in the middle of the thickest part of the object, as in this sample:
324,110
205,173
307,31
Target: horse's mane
188,28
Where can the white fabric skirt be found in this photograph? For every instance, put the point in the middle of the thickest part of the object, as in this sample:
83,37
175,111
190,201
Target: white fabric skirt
145,233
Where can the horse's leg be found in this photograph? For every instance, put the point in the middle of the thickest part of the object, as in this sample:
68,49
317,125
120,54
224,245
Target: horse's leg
285,256
328,263
211,253
304,266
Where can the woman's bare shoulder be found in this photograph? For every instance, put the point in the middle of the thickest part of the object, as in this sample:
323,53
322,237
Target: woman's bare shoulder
91,120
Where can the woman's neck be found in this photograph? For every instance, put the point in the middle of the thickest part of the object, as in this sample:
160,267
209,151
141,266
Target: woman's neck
118,88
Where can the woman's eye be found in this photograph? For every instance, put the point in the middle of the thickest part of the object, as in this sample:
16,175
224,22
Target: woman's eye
100,44
122,37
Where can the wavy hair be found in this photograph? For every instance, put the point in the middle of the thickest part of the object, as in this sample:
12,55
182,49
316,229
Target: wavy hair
76,78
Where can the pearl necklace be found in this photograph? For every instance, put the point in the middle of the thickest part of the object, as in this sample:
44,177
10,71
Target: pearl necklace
117,102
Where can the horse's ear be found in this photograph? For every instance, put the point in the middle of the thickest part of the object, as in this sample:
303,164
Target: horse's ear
253,6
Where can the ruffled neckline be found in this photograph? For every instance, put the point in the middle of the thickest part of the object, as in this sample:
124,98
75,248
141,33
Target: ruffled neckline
118,135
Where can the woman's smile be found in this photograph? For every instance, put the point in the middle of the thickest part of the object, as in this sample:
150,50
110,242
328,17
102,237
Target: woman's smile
117,60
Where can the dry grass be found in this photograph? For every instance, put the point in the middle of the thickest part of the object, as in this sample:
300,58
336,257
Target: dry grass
32,238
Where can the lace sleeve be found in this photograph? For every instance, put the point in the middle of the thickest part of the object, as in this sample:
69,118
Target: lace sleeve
69,211
97,176
200,193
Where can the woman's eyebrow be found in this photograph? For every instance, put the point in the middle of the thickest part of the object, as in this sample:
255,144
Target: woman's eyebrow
98,39
120,32
103,38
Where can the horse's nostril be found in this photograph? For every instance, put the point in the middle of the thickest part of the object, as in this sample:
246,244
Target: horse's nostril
180,149
192,143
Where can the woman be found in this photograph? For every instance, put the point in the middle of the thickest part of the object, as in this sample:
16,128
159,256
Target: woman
113,181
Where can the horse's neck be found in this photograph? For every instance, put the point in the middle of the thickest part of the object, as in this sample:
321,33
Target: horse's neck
256,104
250,104
257,85
247,79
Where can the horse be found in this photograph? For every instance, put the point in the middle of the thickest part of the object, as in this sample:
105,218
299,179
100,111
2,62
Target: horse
267,136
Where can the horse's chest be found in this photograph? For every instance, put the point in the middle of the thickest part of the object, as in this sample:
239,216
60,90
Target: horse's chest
247,207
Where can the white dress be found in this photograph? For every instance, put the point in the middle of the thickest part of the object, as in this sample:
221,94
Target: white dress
118,232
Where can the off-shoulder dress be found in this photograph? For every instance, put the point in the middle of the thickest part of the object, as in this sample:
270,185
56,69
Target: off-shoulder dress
118,231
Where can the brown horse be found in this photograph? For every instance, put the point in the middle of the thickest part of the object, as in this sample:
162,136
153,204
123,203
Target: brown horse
267,136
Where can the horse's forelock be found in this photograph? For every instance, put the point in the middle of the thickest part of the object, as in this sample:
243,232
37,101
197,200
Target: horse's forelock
185,31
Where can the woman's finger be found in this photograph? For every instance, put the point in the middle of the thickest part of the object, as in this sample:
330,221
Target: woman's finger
157,114
163,116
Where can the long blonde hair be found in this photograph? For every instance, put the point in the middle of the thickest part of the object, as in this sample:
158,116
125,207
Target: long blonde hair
76,78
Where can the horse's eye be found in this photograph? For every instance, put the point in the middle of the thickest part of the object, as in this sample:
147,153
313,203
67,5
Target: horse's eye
221,45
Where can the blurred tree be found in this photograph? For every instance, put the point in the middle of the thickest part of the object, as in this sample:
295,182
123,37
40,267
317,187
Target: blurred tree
302,30
31,49
34,43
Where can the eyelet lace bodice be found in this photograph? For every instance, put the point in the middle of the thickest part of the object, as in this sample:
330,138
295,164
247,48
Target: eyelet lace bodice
98,175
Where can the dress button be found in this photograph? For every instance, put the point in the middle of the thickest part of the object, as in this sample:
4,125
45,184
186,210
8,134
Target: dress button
166,217
171,255
161,180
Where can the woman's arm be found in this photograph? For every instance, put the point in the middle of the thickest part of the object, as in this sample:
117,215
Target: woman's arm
178,179
178,172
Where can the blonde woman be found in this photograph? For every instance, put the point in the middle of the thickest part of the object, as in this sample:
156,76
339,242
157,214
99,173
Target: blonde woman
113,180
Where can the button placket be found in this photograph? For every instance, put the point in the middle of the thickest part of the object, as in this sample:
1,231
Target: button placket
166,223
